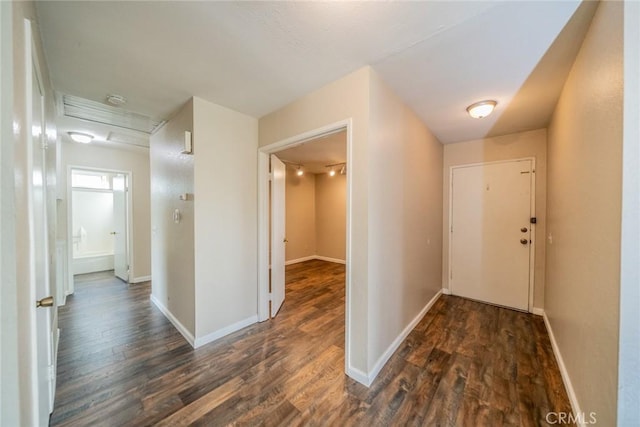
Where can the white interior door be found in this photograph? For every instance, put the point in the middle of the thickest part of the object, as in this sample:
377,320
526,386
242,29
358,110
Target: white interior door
278,172
490,233
38,250
120,236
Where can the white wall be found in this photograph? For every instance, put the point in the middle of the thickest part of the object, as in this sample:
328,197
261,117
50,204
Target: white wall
513,146
405,221
173,284
629,350
582,295
134,160
225,174
9,351
93,213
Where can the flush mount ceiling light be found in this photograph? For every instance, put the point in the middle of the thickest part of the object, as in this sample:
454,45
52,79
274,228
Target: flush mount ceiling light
481,109
83,138
116,100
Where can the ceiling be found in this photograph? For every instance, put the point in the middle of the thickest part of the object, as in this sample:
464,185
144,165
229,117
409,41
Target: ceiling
315,155
256,57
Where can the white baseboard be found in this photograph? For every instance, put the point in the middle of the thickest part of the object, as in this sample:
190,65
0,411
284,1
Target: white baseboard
140,279
537,311
200,341
303,259
446,291
373,373
358,375
312,257
326,258
179,326
575,406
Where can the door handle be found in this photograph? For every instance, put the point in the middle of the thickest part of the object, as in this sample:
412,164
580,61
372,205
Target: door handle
285,240
524,241
113,233
45,302
524,229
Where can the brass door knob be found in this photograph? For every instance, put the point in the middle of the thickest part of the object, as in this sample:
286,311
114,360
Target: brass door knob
524,241
524,229
285,240
45,302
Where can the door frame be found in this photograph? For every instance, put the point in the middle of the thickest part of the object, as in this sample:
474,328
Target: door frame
263,218
70,288
532,213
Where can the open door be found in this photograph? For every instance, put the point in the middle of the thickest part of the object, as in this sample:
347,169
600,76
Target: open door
278,238
120,238
38,246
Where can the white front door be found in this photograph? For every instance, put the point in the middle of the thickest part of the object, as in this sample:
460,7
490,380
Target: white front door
38,246
120,237
278,173
490,232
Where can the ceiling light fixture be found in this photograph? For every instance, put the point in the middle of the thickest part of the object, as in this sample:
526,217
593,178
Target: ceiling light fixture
335,167
83,138
116,100
481,109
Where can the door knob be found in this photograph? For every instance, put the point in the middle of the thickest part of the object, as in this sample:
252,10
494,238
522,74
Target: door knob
113,233
524,241
285,240
45,302
524,229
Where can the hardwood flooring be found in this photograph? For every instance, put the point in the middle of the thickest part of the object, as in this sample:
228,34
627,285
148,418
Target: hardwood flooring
465,364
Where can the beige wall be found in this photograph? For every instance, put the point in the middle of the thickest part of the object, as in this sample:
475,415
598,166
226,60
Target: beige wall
513,146
331,216
136,161
347,98
583,216
226,210
300,207
172,256
405,218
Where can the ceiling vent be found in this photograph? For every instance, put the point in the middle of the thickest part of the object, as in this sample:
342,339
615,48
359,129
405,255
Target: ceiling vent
98,112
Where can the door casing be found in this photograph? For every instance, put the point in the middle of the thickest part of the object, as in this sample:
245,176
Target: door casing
70,288
263,219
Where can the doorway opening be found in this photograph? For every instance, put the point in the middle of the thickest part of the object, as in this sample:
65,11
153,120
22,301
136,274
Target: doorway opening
315,160
99,224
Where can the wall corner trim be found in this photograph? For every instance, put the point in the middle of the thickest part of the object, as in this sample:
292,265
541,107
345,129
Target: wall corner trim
141,279
179,326
297,260
446,291
318,257
215,335
373,373
328,259
358,375
575,406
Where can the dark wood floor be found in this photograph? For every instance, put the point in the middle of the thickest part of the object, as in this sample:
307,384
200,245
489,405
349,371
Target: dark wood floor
466,364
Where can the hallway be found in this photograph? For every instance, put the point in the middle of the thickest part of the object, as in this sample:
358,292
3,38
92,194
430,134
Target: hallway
122,363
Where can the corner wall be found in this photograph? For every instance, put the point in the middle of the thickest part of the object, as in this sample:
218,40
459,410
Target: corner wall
172,243
331,216
583,217
225,145
405,221
514,146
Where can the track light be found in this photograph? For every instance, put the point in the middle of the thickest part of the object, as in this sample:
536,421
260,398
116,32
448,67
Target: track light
332,172
335,167
299,171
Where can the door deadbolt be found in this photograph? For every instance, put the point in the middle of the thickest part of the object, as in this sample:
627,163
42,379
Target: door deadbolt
524,229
